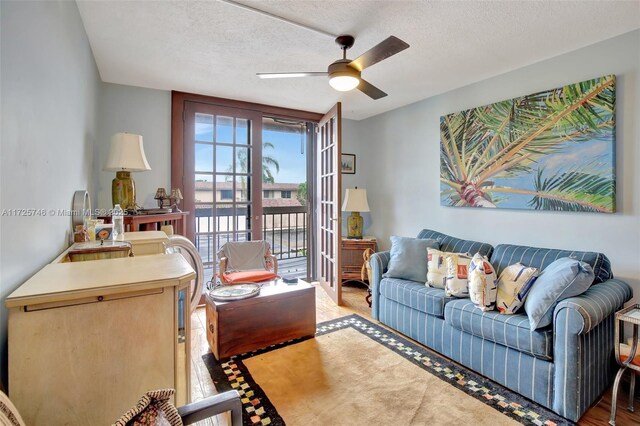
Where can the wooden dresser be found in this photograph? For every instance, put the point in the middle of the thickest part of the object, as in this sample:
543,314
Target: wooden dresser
352,260
87,339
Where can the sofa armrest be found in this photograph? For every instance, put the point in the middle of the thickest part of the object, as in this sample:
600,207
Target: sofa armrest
583,346
594,305
379,262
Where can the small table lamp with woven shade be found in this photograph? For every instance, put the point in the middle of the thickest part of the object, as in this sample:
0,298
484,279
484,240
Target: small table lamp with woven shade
126,155
355,201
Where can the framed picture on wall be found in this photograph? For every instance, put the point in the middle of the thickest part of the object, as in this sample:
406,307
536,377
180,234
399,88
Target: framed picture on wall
348,162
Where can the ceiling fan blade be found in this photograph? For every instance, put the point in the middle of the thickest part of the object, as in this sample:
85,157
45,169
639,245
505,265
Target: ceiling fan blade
379,52
291,74
370,90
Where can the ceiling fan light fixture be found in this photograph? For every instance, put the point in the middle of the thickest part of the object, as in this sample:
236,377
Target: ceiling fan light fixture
344,83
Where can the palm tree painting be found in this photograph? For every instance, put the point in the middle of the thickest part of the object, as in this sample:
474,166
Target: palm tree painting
552,150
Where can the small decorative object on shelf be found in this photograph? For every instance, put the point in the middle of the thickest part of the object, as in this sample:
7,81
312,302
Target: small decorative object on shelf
163,198
80,235
234,292
175,198
626,357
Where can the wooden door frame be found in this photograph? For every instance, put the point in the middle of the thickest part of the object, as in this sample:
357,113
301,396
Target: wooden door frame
178,103
334,292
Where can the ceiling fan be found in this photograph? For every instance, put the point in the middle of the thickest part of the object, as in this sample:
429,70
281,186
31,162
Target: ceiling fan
344,74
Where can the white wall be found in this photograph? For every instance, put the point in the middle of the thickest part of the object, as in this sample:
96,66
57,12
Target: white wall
146,112
400,150
352,143
49,88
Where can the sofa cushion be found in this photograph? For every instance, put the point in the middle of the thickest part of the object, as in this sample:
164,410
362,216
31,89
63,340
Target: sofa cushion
508,254
513,286
483,283
512,331
457,282
456,245
415,295
436,268
409,258
561,280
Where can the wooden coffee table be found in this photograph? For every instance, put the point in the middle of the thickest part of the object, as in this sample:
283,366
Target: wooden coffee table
279,313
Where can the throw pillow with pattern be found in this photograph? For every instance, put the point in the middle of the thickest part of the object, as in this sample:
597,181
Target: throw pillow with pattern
457,281
436,268
514,284
153,409
483,283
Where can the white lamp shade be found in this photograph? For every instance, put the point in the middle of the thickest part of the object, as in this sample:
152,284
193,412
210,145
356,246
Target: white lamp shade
355,200
126,154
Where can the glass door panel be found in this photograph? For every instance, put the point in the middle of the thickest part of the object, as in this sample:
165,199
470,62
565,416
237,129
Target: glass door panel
225,205
286,144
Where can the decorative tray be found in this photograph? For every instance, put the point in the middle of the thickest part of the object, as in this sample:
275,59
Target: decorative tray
234,292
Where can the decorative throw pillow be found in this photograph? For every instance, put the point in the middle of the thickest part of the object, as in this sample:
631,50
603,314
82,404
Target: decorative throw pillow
436,268
514,284
153,409
483,283
457,275
562,279
408,258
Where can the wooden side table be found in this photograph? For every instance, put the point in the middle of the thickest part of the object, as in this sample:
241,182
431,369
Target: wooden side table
352,260
629,315
132,222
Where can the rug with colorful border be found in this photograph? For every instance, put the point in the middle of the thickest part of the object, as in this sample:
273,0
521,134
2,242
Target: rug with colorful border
231,373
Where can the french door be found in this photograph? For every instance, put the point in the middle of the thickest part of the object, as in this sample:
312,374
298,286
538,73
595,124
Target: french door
222,175
328,203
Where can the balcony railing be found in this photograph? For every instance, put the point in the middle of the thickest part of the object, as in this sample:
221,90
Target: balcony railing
285,228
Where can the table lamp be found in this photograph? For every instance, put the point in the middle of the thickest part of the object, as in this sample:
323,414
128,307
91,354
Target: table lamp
355,201
126,155
176,196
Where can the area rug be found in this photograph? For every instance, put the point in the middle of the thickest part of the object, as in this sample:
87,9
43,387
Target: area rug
355,372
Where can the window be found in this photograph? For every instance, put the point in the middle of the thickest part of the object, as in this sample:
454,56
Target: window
226,194
268,194
285,194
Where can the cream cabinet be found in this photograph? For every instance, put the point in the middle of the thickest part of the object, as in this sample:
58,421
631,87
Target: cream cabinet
87,339
146,242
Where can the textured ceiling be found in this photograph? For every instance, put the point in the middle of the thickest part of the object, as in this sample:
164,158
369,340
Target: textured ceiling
213,48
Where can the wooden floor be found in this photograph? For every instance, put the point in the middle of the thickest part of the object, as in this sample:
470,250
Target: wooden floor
354,302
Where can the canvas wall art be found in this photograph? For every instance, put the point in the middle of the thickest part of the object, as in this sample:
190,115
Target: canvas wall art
553,150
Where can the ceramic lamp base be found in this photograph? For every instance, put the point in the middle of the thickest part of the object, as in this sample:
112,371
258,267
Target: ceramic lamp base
123,190
354,226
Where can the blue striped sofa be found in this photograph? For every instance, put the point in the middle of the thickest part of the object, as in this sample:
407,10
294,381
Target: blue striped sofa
564,367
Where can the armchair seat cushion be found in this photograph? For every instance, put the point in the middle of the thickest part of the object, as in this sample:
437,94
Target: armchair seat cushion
415,295
248,277
512,331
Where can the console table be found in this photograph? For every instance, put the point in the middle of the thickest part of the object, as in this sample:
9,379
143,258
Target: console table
154,221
